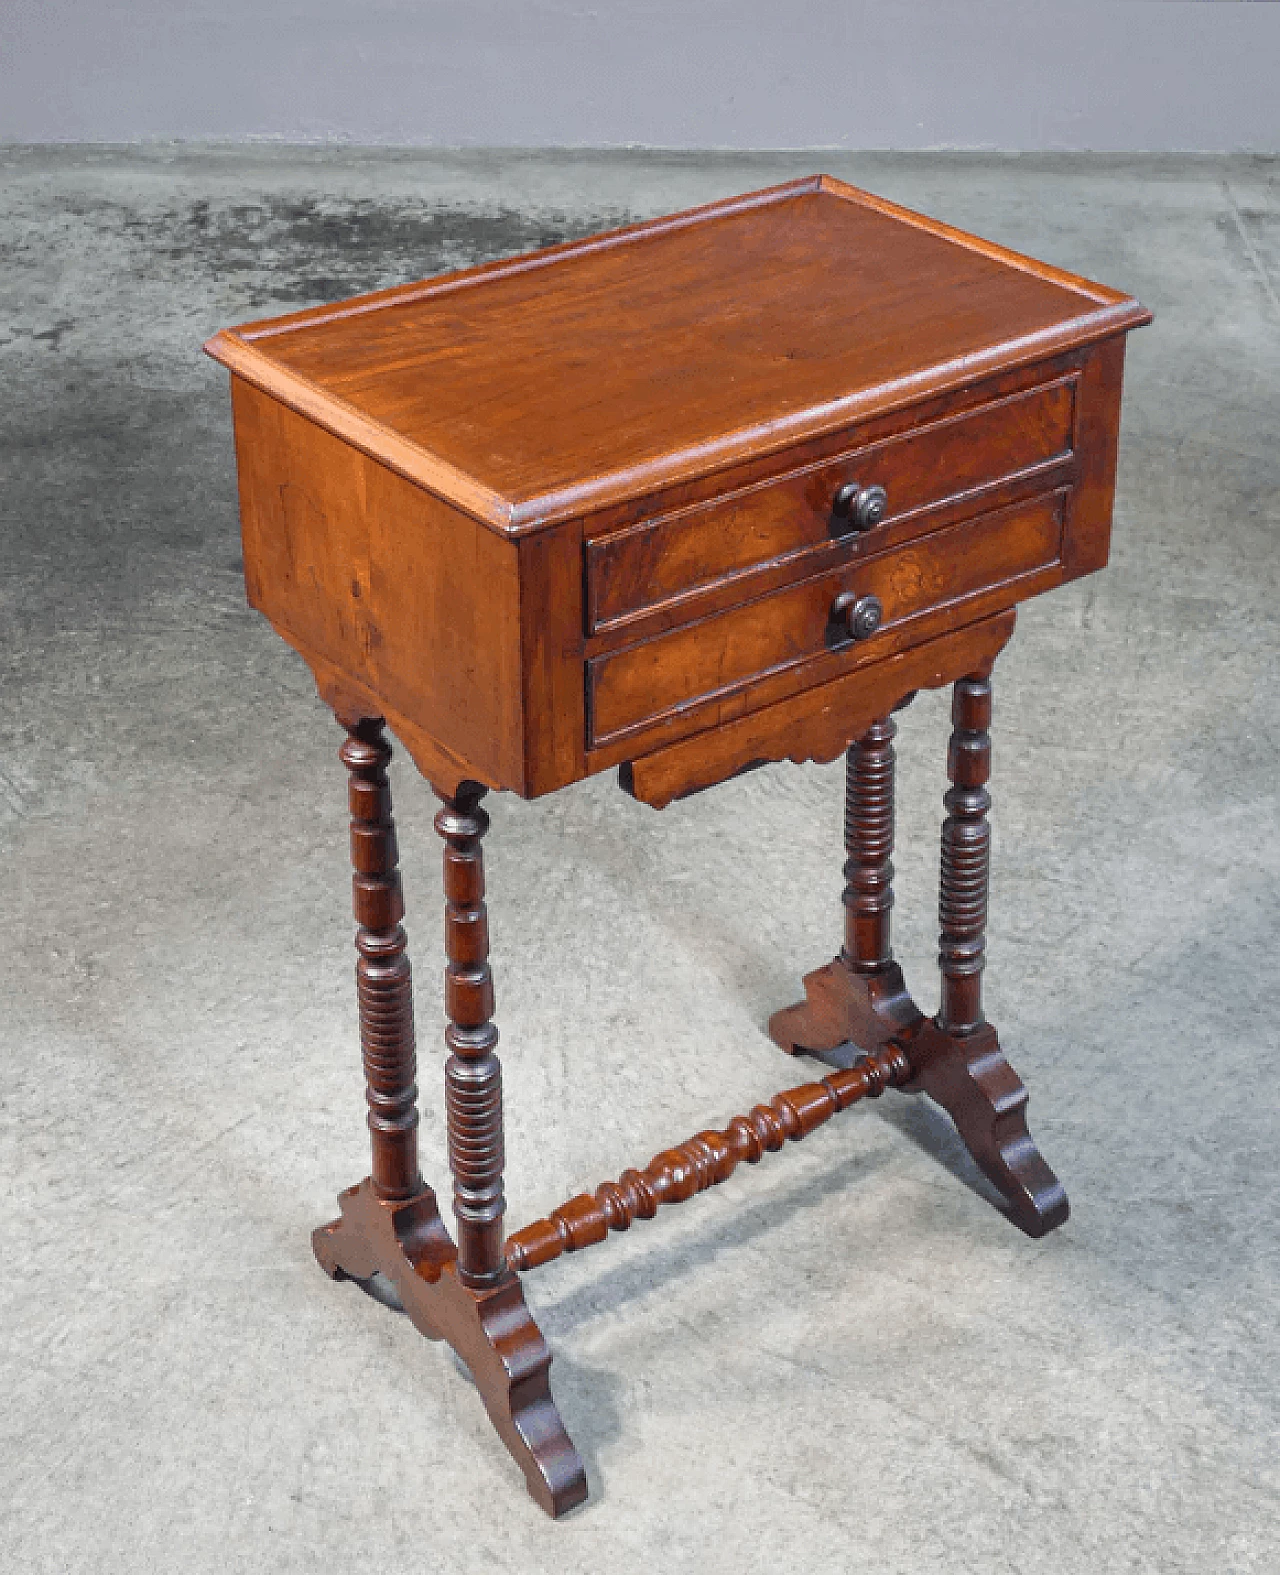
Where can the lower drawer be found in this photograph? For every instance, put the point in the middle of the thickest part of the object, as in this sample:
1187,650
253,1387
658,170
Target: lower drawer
800,632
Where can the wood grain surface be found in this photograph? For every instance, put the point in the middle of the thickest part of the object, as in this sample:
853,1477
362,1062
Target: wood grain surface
731,330
789,637
580,510
922,470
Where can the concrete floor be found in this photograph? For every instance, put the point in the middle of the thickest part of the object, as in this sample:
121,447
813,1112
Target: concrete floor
843,1360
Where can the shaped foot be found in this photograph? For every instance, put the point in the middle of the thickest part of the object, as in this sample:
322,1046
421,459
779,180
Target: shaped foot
341,1252
844,1007
987,1100
491,1330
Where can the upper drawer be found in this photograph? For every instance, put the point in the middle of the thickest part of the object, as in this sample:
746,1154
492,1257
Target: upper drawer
675,555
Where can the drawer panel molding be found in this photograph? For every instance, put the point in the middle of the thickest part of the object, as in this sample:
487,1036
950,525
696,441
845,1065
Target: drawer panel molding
799,630
922,472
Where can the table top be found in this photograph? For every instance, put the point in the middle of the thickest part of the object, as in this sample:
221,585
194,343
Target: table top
542,387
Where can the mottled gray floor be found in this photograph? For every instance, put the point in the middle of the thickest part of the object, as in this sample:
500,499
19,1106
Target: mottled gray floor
841,1361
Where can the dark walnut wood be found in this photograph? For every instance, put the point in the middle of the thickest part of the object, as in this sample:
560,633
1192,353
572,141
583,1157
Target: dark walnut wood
472,1075
552,515
861,998
966,858
929,474
390,1223
705,1160
956,1058
491,1330
794,638
813,726
384,991
723,488
868,839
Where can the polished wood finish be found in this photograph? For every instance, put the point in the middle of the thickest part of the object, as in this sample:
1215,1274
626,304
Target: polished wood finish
816,724
794,638
472,1075
490,1329
499,566
723,488
705,1160
967,1075
956,1058
966,858
390,1223
384,990
862,999
868,840
370,576
956,461
660,320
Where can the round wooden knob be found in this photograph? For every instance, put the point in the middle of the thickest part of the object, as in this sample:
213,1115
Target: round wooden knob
862,506
861,615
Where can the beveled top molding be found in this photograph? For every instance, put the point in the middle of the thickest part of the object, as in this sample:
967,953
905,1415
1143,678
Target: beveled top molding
509,411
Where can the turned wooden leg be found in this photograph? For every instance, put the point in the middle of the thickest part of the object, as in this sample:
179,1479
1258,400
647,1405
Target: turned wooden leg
956,1058
472,1074
384,994
390,1223
868,839
965,859
860,998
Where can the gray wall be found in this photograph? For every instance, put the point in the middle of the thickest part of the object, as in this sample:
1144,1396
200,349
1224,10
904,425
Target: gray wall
1093,74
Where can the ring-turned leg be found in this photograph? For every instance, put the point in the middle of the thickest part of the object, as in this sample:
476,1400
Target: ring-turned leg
390,1222
384,995
472,1074
956,1058
860,997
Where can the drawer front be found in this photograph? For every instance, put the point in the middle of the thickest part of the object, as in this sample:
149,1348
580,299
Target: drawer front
922,471
794,637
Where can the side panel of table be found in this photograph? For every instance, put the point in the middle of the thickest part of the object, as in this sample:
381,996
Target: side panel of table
401,604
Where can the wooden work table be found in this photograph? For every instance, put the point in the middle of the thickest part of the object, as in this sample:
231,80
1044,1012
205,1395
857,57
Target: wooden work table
719,489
